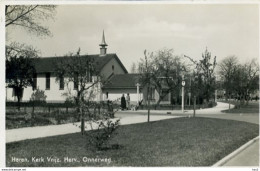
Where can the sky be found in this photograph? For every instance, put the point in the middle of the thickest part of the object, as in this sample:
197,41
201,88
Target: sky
225,29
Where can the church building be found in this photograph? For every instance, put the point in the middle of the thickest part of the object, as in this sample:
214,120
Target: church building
109,68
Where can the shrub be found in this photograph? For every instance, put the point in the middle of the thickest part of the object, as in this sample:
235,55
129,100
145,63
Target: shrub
38,96
99,118
100,137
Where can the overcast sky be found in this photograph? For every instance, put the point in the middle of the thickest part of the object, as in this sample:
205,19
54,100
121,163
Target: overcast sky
130,29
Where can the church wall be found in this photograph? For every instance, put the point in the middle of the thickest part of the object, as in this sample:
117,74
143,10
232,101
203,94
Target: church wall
54,94
107,69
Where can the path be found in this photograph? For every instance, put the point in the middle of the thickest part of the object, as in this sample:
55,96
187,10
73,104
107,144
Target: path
248,157
13,135
215,110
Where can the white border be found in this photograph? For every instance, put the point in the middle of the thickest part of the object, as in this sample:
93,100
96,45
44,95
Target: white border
101,2
2,86
87,2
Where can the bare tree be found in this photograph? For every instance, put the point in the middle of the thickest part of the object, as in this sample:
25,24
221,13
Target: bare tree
133,68
29,17
80,71
18,49
206,74
19,57
239,80
250,81
145,77
20,68
226,71
165,72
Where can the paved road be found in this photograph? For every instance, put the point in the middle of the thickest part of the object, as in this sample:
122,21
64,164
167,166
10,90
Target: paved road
215,112
209,111
248,157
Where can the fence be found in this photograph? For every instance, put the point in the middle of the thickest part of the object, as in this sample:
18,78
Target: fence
43,107
40,113
70,107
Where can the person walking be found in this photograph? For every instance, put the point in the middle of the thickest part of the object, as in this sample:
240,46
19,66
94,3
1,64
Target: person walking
128,101
123,102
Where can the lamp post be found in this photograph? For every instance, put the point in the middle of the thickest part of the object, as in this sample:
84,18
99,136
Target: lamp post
182,98
138,98
195,78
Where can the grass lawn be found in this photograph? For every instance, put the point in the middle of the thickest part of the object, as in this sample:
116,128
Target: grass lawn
174,142
252,107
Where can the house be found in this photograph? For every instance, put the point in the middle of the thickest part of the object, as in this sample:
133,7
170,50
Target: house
120,84
108,66
130,84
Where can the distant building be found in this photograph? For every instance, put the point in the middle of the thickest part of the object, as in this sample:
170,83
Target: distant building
108,66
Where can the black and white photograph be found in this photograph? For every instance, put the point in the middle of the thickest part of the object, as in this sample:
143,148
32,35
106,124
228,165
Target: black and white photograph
131,84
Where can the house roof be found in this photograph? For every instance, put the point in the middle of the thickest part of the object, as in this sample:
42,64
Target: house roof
127,81
47,64
122,81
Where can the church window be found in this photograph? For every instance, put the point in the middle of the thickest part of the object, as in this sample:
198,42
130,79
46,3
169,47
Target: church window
76,82
61,83
34,86
48,81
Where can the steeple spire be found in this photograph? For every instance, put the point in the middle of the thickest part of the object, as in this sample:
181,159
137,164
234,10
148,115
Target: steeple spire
103,49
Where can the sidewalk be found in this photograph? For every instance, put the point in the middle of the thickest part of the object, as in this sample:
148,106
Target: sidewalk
214,110
247,157
20,134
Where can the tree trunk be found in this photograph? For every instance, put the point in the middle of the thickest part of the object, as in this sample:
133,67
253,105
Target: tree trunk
148,99
18,102
247,100
229,103
194,106
78,111
82,121
241,101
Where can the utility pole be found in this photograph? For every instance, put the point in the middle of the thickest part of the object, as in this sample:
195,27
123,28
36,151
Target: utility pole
148,88
182,98
138,98
195,89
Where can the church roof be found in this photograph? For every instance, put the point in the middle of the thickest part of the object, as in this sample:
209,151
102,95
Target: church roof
47,64
122,81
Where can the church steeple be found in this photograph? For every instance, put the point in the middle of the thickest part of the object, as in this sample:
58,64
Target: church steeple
103,49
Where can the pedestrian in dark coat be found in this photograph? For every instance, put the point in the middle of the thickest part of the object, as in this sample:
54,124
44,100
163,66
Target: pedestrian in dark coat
123,102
